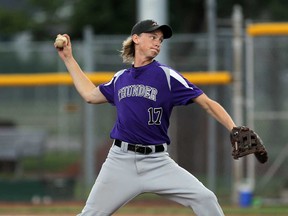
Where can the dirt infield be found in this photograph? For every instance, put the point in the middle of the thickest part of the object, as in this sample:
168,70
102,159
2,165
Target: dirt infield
142,208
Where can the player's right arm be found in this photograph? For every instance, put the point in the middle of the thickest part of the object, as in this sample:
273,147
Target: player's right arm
89,92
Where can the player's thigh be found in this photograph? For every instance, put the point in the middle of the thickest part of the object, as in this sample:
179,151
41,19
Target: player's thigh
171,179
115,185
181,186
108,198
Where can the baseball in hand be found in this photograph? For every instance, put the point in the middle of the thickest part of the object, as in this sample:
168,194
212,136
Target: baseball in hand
60,41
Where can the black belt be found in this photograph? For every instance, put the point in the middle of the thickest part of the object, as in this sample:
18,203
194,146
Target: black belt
140,148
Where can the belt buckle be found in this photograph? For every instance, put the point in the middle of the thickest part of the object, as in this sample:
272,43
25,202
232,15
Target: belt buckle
143,149
137,148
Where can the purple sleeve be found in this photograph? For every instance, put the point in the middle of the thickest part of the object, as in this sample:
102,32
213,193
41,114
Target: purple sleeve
183,91
107,90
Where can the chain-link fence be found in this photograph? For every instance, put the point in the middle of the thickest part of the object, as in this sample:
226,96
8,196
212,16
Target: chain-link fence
270,108
58,110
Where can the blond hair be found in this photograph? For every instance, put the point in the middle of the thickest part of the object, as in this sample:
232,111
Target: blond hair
128,50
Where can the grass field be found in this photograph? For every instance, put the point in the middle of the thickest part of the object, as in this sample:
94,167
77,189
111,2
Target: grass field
140,208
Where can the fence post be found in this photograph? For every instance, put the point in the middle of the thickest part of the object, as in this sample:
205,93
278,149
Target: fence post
212,66
237,22
89,116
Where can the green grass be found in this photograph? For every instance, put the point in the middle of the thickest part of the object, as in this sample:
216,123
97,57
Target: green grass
134,209
274,210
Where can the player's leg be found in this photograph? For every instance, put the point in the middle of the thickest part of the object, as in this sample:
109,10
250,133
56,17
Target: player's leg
175,183
115,185
194,195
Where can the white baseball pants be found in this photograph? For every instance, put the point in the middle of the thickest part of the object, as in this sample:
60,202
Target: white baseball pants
126,174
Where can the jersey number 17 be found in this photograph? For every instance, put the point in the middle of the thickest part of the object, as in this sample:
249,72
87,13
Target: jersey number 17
155,115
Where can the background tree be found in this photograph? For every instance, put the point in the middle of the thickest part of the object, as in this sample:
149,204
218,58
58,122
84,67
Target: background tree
106,17
47,18
12,23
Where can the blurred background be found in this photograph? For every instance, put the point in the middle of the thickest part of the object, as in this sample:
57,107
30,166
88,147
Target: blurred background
43,129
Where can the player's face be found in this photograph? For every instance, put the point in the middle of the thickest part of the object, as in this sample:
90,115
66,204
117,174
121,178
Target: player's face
149,44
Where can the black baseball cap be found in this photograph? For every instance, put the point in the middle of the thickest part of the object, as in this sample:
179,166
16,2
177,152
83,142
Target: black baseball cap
146,26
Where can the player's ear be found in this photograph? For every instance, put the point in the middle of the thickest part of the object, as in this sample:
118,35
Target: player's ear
135,38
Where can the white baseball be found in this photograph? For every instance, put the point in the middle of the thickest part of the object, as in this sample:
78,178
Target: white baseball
60,41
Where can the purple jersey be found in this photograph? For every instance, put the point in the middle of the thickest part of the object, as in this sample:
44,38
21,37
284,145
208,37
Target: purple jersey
144,98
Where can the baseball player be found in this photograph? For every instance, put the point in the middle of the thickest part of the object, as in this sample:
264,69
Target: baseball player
144,96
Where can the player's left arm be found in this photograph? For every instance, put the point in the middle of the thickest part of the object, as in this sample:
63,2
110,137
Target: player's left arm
215,110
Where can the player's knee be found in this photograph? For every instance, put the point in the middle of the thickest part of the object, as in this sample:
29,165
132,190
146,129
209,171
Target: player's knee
207,196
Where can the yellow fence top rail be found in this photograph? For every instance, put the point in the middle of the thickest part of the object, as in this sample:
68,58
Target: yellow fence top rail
266,29
46,79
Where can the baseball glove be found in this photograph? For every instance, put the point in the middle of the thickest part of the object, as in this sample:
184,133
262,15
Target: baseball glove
245,141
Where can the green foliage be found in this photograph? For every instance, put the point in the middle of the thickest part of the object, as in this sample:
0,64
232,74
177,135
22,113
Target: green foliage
106,17
187,16
49,6
279,10
47,18
272,10
12,22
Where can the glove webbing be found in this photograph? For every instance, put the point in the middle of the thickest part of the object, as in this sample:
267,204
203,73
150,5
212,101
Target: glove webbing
248,146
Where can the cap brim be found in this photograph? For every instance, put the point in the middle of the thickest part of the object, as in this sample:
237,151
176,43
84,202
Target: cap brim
167,31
